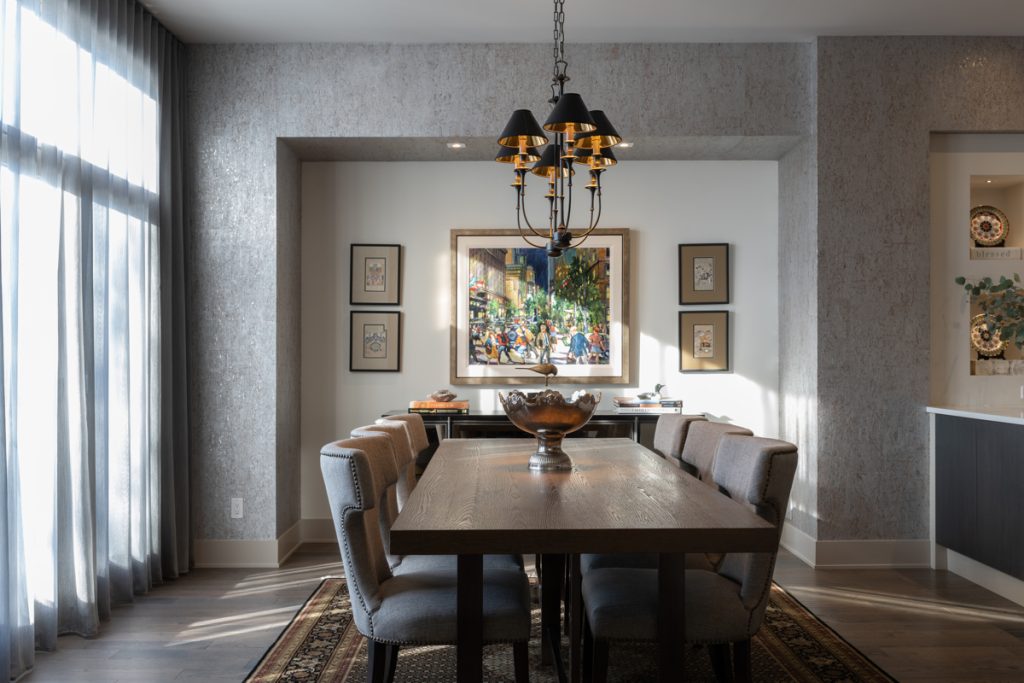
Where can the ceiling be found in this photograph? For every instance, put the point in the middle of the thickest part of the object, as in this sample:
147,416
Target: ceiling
587,21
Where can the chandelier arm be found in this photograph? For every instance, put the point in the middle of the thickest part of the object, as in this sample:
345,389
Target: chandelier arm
521,201
568,214
522,233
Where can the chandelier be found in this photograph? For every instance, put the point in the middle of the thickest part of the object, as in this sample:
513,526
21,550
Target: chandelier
582,138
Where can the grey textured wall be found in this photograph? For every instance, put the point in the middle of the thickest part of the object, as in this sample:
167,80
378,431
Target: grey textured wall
798,322
853,229
243,98
878,100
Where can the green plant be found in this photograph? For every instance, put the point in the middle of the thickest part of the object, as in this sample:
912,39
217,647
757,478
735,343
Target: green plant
1002,303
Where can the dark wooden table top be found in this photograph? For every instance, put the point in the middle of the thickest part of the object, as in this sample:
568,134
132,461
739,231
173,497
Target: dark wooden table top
477,496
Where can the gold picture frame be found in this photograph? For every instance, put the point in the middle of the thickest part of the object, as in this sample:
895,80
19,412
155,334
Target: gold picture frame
590,344
704,341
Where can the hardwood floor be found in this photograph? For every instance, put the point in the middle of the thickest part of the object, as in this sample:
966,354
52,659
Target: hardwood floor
215,624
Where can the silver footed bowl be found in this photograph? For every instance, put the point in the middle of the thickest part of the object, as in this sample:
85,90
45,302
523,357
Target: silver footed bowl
549,416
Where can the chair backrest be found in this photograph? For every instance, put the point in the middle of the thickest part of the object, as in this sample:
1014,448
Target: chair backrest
417,430
758,473
670,433
702,438
353,470
404,456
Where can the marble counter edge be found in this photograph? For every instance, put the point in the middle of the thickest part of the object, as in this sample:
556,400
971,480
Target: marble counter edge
1007,414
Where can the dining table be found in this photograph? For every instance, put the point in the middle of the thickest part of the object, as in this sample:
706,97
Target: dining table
478,497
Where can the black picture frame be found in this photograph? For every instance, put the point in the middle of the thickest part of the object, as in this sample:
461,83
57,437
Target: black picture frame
363,324
367,286
716,255
689,360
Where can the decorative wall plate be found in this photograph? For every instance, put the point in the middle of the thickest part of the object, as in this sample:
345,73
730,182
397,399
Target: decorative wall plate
984,342
989,226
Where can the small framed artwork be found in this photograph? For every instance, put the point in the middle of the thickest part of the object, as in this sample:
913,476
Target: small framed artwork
704,341
703,274
376,274
376,341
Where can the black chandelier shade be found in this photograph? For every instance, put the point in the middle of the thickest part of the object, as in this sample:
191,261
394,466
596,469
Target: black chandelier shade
604,159
510,156
604,136
570,115
547,167
522,129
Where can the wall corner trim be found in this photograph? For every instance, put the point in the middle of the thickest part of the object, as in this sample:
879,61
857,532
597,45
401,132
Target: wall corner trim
856,554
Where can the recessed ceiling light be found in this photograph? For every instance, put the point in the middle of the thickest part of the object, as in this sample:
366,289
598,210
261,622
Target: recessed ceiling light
456,145
625,145
988,181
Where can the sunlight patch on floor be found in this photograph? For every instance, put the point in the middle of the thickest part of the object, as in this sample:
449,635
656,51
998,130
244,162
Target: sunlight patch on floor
902,603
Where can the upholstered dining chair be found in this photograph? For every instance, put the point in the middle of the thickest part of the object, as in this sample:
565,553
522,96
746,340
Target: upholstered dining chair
404,454
421,446
702,438
724,606
670,434
412,608
378,445
697,442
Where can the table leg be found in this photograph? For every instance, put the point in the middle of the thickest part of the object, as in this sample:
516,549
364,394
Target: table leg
469,630
671,616
575,600
552,577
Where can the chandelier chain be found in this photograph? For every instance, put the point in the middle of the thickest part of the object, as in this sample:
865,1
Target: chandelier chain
559,76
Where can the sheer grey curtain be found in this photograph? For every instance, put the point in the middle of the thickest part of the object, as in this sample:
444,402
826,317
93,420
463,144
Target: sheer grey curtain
94,436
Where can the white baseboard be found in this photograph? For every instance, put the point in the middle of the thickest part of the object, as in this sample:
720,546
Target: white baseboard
991,579
216,553
800,544
896,553
220,553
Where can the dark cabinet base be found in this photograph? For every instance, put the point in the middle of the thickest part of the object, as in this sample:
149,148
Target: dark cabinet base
979,487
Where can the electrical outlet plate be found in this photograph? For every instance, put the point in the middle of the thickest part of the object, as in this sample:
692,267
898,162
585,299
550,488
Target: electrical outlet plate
236,508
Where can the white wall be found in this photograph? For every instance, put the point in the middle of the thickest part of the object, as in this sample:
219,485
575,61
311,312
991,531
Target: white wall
952,165
416,204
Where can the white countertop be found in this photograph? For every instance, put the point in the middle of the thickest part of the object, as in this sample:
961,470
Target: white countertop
1010,414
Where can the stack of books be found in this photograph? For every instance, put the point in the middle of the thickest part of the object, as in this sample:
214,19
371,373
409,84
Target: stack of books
439,407
631,405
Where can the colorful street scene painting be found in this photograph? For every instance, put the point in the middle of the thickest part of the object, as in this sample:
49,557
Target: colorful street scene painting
526,308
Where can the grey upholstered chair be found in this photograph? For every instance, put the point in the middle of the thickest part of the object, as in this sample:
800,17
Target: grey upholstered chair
670,434
722,606
418,608
404,454
421,446
698,454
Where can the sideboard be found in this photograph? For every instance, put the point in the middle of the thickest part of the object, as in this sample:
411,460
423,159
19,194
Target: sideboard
495,424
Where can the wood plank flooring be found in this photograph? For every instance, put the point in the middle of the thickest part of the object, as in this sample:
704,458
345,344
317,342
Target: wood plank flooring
213,625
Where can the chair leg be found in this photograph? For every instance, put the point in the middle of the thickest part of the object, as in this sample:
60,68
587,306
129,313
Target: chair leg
720,662
391,662
521,661
741,660
600,661
377,654
588,651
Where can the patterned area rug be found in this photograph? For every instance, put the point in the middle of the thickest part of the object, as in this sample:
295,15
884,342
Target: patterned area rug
322,644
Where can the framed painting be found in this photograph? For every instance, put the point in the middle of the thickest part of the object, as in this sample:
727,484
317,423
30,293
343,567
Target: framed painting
514,307
376,341
704,341
376,271
703,274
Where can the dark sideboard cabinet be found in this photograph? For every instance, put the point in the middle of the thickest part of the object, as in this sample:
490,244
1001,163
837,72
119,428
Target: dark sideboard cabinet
979,491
